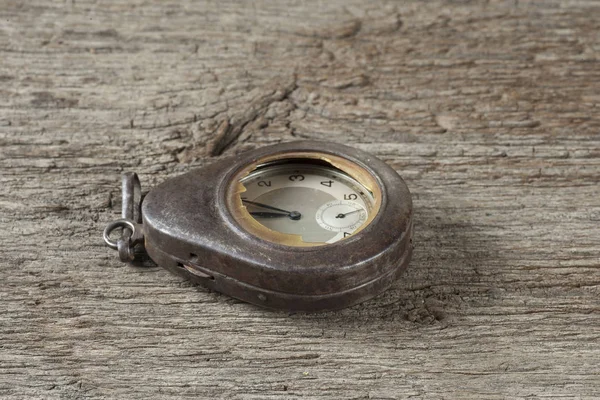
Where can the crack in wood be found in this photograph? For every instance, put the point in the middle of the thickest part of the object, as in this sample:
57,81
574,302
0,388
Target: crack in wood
231,128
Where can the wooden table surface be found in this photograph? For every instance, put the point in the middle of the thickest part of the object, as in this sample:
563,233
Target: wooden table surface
489,110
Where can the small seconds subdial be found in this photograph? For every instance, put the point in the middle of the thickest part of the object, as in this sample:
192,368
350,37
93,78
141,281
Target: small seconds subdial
341,216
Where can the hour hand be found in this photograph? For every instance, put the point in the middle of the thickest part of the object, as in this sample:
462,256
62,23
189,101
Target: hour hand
293,215
263,214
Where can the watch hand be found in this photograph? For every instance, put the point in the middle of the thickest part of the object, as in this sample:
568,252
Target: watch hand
295,215
343,215
262,214
266,206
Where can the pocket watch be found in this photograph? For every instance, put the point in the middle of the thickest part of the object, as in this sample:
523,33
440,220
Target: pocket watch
299,226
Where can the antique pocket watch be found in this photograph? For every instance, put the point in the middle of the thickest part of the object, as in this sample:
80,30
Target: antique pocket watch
300,226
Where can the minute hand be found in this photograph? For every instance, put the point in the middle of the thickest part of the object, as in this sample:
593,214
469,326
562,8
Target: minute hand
266,206
293,215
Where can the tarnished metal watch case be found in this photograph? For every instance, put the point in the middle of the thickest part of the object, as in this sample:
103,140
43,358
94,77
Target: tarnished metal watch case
190,230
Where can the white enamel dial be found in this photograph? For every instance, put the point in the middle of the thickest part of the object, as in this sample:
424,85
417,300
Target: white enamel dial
318,202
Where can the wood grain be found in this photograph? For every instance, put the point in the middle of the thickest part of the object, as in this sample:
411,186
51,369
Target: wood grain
489,110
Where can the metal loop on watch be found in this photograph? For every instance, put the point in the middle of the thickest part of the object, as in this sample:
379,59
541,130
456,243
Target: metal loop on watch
132,197
131,243
119,223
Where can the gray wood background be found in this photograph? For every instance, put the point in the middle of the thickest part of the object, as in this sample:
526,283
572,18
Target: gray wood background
489,110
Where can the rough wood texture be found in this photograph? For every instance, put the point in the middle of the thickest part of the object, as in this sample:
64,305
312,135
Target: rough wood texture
490,111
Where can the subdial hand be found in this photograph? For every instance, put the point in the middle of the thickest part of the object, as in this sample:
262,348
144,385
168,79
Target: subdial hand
294,215
343,215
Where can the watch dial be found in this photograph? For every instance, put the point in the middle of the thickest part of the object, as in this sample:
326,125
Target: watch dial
318,202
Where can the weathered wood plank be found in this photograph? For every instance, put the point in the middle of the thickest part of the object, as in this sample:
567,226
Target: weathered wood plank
489,110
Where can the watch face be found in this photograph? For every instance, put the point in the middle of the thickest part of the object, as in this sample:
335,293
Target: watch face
309,200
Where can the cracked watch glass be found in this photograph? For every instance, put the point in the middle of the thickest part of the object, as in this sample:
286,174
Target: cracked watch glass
305,200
